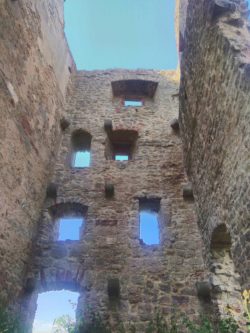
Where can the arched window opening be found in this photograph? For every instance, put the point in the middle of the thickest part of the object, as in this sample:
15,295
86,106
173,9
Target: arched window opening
226,290
53,305
121,145
149,221
81,145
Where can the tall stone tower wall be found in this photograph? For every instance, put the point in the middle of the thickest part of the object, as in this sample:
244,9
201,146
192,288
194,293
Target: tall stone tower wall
214,114
150,277
34,76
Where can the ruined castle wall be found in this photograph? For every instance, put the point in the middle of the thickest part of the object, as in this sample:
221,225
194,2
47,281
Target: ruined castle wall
180,21
214,115
151,277
34,76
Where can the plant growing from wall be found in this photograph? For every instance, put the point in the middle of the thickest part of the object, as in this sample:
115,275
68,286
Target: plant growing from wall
159,324
246,304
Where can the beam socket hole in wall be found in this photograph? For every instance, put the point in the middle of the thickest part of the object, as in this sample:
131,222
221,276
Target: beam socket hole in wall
149,221
121,145
80,146
70,228
132,102
61,303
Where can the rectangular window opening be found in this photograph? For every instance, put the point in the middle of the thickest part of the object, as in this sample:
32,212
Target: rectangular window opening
121,157
69,228
149,221
82,159
132,103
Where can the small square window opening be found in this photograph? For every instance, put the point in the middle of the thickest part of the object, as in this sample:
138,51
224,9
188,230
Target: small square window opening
69,228
82,159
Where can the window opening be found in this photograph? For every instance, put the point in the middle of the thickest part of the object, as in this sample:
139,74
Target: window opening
132,103
121,157
53,305
69,228
81,144
82,159
122,152
149,221
121,145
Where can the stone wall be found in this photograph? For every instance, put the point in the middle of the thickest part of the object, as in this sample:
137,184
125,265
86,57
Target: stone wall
214,115
34,77
151,277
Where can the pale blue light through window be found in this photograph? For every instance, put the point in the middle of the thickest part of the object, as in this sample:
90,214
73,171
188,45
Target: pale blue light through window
69,228
133,103
121,157
82,159
52,305
149,227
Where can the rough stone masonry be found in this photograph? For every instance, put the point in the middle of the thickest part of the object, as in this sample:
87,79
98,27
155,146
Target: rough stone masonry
48,110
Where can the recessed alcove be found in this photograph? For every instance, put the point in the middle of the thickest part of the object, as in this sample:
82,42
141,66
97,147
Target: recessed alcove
134,89
121,145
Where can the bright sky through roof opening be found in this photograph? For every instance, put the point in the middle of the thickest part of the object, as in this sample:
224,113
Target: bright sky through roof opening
52,305
149,227
70,228
121,33
82,159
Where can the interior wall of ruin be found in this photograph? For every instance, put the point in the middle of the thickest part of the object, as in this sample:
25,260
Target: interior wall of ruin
34,76
151,277
214,116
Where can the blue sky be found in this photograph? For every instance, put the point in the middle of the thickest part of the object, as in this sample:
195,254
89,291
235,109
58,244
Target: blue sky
53,305
70,228
121,33
149,228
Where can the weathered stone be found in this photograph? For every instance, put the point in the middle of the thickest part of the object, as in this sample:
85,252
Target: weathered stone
214,125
